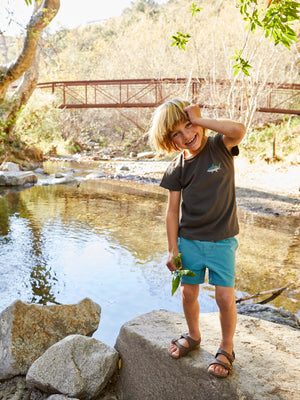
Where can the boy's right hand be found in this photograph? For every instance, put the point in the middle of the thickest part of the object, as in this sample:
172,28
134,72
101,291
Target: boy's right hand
170,262
194,113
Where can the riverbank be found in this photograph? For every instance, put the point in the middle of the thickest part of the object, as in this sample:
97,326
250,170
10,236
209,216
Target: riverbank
265,188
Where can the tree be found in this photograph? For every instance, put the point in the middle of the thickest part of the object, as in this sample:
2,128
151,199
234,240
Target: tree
275,18
25,66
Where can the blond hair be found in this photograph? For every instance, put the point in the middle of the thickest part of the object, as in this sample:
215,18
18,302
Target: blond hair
164,121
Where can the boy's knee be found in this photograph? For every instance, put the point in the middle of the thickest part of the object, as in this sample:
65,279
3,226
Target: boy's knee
189,293
225,301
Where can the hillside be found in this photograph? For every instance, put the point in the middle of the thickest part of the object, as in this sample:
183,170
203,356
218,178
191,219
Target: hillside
138,45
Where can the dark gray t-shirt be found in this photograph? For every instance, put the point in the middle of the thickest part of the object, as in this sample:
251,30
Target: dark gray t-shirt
208,208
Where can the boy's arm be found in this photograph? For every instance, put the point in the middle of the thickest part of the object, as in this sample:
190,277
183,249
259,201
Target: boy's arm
232,131
172,224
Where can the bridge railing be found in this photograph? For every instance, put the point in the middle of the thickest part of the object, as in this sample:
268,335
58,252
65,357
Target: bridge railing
135,93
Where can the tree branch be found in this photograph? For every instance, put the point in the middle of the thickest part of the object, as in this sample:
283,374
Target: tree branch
274,293
39,20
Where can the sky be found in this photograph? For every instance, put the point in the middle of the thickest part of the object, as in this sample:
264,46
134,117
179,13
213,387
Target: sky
71,14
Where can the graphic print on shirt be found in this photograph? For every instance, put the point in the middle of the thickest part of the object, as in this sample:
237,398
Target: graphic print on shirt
214,168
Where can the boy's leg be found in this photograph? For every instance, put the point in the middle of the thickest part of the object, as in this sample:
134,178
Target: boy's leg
191,309
225,298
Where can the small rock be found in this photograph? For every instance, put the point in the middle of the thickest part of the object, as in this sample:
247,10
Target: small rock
96,175
76,366
68,178
132,154
124,168
59,175
145,155
39,171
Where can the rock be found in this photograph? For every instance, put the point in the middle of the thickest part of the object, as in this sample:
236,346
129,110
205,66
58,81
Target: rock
269,313
96,175
27,330
60,397
58,179
124,168
264,351
59,175
63,179
40,171
145,155
16,389
76,366
17,178
10,167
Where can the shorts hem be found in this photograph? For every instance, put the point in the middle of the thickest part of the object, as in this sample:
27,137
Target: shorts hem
191,282
221,284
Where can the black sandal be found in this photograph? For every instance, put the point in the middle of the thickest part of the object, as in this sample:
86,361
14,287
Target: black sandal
227,366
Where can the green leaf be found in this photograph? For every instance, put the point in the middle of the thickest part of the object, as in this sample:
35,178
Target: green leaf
180,40
195,9
177,260
175,284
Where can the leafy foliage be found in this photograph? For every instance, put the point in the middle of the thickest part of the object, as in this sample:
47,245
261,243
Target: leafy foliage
241,64
195,9
275,20
180,40
285,136
39,125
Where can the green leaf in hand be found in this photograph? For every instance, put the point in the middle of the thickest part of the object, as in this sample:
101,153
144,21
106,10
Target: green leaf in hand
179,273
177,260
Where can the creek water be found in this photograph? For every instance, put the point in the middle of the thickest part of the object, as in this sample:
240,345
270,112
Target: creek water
106,240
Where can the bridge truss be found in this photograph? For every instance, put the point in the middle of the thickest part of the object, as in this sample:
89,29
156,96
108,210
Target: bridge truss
137,93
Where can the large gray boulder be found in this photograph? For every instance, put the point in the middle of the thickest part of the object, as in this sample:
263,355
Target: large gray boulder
9,166
17,178
76,366
266,368
269,313
28,330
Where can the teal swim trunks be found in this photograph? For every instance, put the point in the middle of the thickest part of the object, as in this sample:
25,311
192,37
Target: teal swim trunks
218,257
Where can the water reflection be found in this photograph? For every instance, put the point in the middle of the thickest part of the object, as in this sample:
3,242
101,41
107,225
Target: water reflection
106,240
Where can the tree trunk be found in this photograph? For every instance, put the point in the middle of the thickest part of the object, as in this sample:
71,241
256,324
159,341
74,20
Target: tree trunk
25,64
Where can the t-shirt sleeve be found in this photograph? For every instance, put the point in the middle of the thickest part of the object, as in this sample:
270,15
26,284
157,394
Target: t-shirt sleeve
171,178
219,138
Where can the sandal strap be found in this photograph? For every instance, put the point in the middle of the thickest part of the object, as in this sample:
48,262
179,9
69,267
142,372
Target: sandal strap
183,350
190,341
227,366
230,357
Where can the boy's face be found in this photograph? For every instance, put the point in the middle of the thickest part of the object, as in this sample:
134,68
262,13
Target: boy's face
188,137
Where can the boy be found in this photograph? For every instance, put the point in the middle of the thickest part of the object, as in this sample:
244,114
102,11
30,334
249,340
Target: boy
201,179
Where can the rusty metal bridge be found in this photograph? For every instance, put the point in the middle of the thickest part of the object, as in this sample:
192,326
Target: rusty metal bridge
135,93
